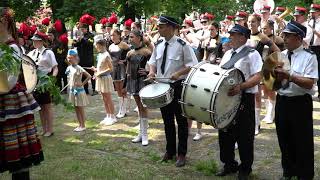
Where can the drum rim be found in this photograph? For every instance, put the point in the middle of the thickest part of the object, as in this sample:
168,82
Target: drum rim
170,89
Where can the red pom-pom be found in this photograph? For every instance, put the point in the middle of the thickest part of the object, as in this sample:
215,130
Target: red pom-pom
63,39
58,26
128,23
24,29
42,35
113,19
104,21
209,16
46,21
189,22
87,19
33,29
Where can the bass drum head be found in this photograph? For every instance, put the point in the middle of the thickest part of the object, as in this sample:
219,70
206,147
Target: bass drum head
29,73
226,107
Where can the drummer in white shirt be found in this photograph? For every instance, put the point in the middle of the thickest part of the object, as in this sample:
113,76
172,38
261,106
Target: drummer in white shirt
249,62
47,64
172,58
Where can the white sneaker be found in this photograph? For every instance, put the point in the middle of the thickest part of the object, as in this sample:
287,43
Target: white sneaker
104,120
79,129
109,122
137,139
256,131
197,137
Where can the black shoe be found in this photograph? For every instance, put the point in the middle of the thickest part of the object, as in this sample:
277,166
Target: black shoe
181,161
166,157
94,93
226,171
243,176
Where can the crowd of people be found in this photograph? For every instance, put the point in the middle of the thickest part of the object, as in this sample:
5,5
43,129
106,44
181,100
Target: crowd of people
130,55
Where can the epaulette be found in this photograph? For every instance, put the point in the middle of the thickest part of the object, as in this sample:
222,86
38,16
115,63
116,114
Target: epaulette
182,42
158,42
309,51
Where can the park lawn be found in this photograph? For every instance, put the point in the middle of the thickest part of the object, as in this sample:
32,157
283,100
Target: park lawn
106,152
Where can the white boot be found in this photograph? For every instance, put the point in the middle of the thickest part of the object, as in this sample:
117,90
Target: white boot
129,104
123,109
257,119
144,131
267,110
137,138
120,107
271,107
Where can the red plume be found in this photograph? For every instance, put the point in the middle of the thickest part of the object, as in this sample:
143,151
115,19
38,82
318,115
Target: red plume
189,22
209,16
24,29
104,21
33,29
113,18
87,19
63,39
46,21
128,23
58,26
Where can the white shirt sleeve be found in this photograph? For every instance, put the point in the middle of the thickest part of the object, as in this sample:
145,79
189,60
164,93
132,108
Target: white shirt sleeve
256,63
189,56
52,61
311,70
152,60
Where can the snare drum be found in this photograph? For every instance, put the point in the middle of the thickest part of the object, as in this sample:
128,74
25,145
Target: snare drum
205,95
29,73
156,95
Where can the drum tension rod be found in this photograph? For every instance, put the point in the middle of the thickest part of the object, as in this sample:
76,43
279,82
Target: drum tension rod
205,109
188,104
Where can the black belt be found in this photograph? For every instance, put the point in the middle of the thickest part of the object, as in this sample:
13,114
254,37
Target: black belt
292,98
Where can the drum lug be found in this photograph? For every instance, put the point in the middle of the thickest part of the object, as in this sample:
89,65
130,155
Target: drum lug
203,70
205,109
184,83
194,86
188,104
216,73
207,89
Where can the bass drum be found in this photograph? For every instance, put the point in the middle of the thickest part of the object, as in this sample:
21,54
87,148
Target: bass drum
205,95
8,79
29,69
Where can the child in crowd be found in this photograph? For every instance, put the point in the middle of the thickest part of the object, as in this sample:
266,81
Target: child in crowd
77,94
104,82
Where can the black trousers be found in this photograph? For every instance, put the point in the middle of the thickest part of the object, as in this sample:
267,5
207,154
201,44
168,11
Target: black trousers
241,132
316,50
293,118
93,82
169,113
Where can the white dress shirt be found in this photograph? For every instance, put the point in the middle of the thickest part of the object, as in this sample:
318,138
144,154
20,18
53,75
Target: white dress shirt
44,58
316,41
178,57
303,64
248,65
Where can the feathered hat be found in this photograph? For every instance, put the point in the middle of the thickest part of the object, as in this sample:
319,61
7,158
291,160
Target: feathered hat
63,38
128,23
86,20
113,19
58,26
46,21
24,31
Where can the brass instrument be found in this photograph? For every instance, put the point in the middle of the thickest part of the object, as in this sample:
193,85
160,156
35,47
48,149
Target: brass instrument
280,20
273,61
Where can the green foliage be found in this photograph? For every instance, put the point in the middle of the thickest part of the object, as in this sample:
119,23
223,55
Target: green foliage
8,62
23,9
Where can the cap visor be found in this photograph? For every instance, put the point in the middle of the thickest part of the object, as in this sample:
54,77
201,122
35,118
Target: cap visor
288,31
161,23
36,38
239,18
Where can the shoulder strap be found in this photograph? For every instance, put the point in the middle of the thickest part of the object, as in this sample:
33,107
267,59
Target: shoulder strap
158,42
309,51
244,52
181,42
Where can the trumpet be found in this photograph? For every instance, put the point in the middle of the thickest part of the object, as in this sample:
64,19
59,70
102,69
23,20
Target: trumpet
280,19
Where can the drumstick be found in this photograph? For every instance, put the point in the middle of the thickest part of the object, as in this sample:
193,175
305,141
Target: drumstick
155,78
64,88
86,67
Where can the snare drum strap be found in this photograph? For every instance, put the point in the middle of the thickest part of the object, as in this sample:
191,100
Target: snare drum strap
244,52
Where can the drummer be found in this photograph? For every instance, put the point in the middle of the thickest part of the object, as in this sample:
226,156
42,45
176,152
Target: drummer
242,131
172,58
46,62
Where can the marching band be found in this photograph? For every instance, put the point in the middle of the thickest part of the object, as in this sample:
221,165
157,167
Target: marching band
134,55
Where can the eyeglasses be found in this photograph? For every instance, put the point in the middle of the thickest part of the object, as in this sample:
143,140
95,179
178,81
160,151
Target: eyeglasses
203,22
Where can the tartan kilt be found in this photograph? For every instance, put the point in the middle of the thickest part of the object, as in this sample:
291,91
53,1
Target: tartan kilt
19,143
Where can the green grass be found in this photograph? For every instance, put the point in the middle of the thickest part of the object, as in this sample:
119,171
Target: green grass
103,153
